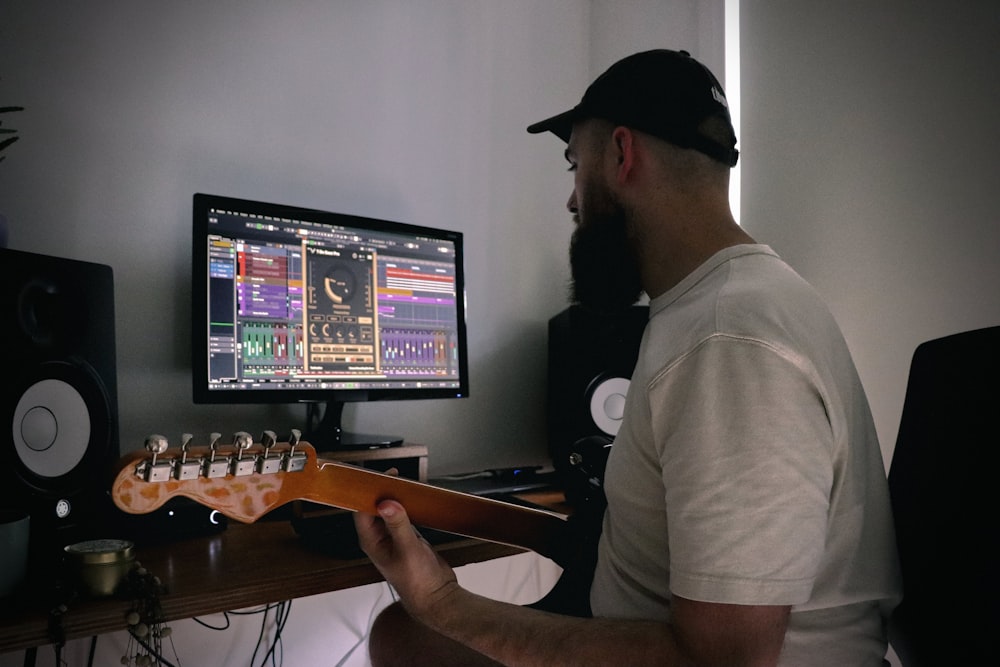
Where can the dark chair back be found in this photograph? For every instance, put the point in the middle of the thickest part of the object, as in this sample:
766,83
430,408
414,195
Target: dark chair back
944,486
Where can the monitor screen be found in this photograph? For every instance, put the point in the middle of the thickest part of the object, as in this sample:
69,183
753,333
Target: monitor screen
293,304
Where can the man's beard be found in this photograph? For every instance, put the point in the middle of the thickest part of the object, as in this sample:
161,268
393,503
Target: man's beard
603,264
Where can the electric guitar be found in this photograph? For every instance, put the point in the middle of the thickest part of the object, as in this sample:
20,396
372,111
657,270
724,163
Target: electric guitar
246,480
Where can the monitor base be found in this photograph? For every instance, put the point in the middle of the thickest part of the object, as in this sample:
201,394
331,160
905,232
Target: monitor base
350,440
328,436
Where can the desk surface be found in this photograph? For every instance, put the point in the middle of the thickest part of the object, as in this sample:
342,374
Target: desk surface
244,566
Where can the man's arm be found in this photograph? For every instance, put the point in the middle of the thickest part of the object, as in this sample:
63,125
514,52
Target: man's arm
703,634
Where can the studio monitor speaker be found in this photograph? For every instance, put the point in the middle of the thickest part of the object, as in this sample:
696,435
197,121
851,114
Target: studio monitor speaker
591,358
60,414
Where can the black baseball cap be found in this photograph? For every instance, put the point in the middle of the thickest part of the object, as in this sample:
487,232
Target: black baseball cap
665,93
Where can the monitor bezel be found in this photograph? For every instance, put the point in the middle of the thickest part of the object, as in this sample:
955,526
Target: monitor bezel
201,393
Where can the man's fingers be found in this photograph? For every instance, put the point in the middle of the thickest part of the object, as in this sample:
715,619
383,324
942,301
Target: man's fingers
365,523
396,521
384,532
369,528
408,563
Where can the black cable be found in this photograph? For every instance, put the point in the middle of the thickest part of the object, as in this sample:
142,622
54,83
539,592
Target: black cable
260,634
225,615
174,648
93,649
253,612
57,633
364,637
275,652
284,610
281,617
272,652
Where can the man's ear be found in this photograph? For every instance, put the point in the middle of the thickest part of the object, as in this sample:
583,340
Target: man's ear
623,140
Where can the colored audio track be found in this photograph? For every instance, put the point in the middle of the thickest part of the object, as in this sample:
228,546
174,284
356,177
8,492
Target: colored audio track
266,286
419,351
271,348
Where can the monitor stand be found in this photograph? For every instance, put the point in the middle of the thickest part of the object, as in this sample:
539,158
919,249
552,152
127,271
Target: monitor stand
326,433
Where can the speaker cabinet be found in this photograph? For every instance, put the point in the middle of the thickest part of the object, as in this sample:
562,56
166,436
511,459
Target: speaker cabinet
591,358
60,417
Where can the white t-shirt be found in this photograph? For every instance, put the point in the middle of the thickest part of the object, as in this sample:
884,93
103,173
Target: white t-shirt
747,468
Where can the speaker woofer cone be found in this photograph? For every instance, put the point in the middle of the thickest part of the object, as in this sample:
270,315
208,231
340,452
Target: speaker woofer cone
59,425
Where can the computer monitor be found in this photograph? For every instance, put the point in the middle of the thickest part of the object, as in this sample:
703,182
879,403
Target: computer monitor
299,305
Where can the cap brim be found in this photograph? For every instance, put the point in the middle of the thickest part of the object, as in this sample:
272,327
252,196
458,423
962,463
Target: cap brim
560,125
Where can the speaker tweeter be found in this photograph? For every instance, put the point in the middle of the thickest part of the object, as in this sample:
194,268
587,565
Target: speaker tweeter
591,359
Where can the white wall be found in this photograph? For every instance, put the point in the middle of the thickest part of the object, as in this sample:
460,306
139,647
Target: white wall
411,111
869,147
618,29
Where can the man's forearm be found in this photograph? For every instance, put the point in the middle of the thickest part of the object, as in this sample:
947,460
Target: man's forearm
711,634
522,637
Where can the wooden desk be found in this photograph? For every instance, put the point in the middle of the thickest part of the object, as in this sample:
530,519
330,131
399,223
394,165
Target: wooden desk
244,566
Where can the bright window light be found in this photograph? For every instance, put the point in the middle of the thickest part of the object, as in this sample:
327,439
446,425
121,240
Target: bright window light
732,76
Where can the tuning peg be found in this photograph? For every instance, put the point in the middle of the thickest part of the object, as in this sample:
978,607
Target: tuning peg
213,443
268,440
156,444
294,462
215,468
186,439
268,464
183,470
242,441
157,472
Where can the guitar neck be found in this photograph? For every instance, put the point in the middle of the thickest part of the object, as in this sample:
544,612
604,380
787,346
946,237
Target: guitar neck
244,484
443,509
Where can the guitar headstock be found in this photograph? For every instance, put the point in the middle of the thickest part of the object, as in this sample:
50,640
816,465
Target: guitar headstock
242,479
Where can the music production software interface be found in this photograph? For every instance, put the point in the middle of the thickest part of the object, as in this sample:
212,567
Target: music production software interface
298,304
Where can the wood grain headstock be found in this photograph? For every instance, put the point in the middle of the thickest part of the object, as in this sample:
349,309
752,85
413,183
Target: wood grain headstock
244,480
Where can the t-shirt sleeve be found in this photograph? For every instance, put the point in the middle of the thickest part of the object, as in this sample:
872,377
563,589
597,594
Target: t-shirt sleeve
745,450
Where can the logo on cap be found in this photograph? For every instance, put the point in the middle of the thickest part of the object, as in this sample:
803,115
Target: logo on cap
719,97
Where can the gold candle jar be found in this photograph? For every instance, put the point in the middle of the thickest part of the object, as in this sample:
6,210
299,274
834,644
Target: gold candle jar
100,566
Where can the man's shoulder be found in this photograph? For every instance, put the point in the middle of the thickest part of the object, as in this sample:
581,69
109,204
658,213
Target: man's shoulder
750,296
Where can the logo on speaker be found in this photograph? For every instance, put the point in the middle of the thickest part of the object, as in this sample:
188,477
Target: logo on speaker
63,508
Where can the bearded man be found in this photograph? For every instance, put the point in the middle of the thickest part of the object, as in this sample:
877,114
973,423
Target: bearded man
748,518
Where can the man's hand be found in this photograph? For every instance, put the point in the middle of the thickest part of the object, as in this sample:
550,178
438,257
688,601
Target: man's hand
709,633
420,576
